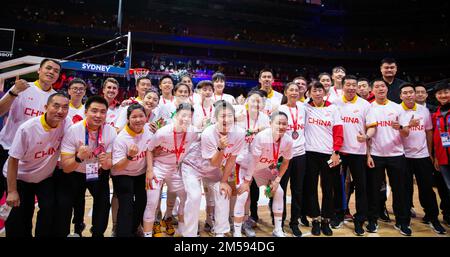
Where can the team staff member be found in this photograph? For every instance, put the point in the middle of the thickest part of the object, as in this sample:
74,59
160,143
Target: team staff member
128,171
171,141
110,91
417,147
220,145
218,80
268,146
274,98
24,101
295,173
33,156
386,125
86,160
77,90
388,69
324,138
353,111
302,84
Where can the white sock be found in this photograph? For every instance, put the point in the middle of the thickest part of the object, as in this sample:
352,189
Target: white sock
147,234
278,223
237,229
220,235
180,228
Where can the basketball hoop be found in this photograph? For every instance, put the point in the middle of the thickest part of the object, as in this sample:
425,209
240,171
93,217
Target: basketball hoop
140,72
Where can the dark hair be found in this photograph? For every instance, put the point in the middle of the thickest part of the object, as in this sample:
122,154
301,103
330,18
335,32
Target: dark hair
276,114
264,70
50,98
165,77
257,92
387,60
151,91
204,83
133,107
77,81
181,84
406,84
49,60
442,85
184,106
218,76
222,104
335,69
420,85
376,80
95,99
364,79
315,84
324,74
349,77
141,78
284,100
111,80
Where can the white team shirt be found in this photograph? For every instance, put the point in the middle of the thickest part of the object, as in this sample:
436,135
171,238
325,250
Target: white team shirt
227,97
209,144
163,138
353,115
75,137
319,127
416,143
387,141
335,95
273,102
76,114
299,143
201,113
121,144
262,149
30,103
37,147
113,114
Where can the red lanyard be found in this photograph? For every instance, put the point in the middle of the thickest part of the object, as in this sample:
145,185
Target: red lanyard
178,151
164,100
99,135
215,97
276,152
204,112
248,120
296,117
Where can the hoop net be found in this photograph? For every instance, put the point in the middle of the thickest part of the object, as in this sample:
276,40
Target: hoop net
140,72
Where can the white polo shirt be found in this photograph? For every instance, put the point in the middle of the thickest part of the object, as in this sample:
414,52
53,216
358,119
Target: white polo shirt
273,101
229,98
37,146
387,141
76,114
416,143
319,127
30,103
210,142
76,137
353,115
122,143
165,141
300,115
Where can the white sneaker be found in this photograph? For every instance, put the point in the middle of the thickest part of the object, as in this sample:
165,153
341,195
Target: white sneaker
248,230
220,235
278,233
237,234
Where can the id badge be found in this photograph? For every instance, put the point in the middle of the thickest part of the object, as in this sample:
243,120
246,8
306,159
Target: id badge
92,171
445,139
4,211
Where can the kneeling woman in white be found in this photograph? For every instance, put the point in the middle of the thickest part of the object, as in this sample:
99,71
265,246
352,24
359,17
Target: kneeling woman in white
128,171
267,147
164,156
220,145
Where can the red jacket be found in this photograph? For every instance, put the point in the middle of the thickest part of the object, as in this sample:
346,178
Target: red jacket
440,152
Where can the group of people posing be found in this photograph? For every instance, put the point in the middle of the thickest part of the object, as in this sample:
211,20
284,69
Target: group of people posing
345,130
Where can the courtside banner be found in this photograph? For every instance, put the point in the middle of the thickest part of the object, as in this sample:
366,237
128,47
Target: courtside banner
92,67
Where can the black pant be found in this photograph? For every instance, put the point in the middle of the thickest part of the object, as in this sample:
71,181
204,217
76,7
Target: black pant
339,190
73,185
396,170
296,173
439,183
254,197
423,170
357,166
19,222
3,158
316,164
132,198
